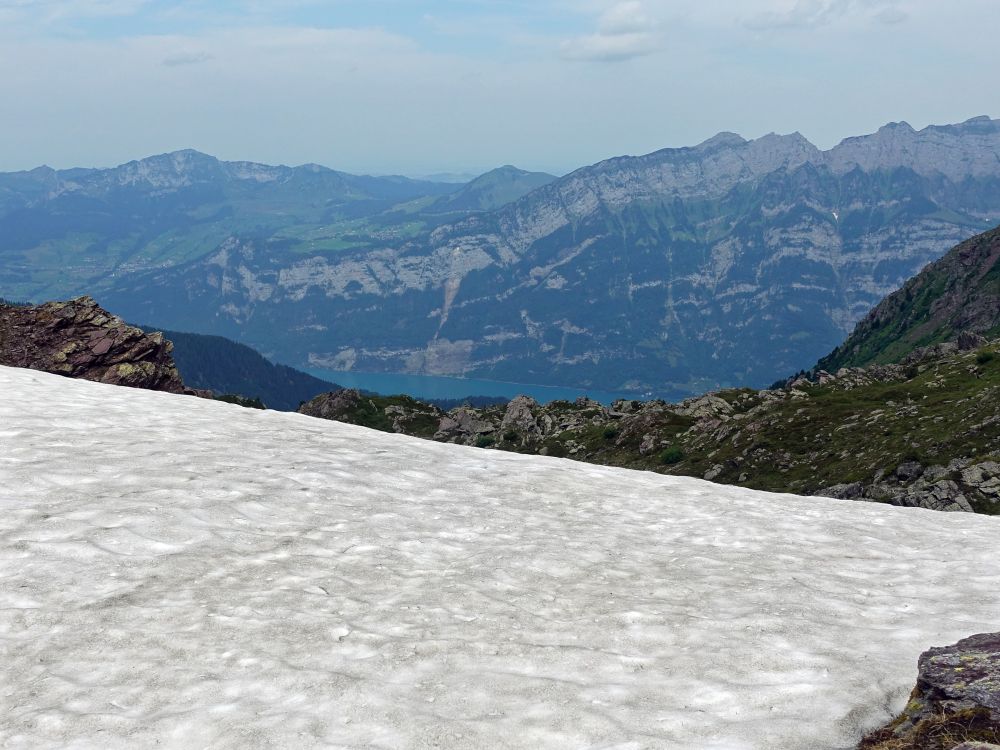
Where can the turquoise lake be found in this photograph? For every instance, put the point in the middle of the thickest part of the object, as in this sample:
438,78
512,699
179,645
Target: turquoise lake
435,387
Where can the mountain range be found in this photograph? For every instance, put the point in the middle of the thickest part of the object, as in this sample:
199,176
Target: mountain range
730,263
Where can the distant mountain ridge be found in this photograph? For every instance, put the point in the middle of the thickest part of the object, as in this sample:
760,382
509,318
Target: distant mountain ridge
732,262
493,190
185,168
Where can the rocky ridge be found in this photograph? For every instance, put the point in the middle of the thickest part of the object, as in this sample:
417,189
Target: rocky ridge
924,432
81,340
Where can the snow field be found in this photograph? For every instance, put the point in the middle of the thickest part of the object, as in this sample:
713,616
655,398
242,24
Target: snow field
181,573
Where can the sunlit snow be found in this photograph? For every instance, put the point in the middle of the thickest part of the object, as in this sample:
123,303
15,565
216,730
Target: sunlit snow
186,574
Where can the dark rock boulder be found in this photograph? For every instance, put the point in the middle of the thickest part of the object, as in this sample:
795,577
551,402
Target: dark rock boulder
956,702
81,340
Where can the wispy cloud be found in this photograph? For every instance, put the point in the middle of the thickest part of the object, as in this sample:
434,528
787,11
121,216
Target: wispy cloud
58,10
624,31
187,58
806,14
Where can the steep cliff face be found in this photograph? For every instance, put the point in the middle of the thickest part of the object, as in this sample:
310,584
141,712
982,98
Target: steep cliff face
960,293
730,263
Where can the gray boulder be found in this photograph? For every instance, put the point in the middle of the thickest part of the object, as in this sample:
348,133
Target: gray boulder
957,695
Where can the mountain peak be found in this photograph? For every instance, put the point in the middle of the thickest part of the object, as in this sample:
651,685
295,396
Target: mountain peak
897,127
969,149
725,139
494,189
182,159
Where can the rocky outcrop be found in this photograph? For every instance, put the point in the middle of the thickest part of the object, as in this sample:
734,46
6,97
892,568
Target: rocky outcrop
81,340
955,704
936,487
335,405
390,414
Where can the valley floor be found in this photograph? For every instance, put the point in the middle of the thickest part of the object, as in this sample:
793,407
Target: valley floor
185,573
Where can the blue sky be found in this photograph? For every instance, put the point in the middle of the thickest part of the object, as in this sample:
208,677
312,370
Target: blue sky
400,86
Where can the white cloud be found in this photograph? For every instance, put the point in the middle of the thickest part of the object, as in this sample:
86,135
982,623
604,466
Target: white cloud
814,13
49,11
624,18
624,31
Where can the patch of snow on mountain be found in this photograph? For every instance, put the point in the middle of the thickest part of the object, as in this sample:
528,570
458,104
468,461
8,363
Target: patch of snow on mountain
183,573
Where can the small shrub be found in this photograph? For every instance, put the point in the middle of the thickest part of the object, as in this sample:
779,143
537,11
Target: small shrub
510,436
984,357
610,433
671,456
485,441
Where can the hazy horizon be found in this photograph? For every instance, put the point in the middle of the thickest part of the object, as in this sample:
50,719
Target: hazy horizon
456,176
397,87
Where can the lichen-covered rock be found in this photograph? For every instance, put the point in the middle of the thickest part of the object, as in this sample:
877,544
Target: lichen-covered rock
81,340
984,477
520,415
465,421
956,700
707,406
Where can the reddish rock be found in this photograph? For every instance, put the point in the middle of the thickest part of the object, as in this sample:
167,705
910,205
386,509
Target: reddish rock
80,340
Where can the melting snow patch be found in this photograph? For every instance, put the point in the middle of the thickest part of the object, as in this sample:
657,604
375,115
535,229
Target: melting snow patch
183,573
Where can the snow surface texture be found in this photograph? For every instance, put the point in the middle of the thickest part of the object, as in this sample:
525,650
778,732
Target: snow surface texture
188,574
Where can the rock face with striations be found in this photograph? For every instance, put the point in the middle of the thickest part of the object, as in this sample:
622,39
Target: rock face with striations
81,340
956,703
